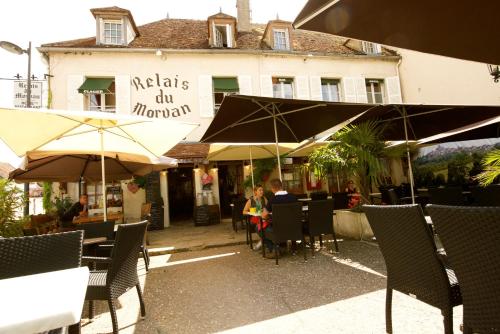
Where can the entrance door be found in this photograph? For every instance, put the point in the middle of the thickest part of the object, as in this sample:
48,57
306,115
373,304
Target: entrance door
181,194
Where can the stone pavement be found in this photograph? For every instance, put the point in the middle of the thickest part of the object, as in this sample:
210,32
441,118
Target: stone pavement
234,290
184,236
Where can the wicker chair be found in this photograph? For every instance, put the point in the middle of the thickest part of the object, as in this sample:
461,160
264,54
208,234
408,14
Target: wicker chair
413,265
340,201
40,254
470,236
121,274
95,230
446,196
320,221
489,196
237,214
286,225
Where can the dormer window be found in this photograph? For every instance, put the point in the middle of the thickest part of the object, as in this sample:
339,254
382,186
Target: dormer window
223,37
281,39
371,48
112,33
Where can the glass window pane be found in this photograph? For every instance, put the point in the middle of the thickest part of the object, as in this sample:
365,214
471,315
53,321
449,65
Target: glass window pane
288,90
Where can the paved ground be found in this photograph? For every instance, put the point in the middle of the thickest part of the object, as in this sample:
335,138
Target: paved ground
234,290
184,236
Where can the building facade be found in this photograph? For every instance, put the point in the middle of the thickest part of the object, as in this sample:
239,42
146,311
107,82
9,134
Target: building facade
181,69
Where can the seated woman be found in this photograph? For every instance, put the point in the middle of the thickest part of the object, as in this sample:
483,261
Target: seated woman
259,202
353,193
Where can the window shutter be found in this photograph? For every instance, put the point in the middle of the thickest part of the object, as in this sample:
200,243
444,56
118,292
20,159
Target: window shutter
361,96
205,92
393,90
349,88
74,98
214,34
229,32
245,84
302,86
122,95
287,39
378,48
315,86
266,86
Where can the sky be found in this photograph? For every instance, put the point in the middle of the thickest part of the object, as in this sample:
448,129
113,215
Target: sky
48,21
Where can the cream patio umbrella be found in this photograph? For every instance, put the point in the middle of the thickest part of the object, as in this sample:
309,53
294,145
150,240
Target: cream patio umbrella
24,130
242,151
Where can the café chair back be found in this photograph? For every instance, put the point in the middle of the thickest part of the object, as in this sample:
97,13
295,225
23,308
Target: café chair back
320,221
40,254
237,213
446,196
121,274
95,230
470,236
340,201
319,195
486,196
413,265
286,225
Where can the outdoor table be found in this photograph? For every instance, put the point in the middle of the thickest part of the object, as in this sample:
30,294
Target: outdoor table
97,218
93,241
41,302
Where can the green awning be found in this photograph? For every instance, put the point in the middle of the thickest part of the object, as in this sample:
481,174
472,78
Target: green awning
226,85
96,86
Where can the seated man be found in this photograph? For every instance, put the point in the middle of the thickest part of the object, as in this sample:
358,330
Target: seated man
280,196
76,210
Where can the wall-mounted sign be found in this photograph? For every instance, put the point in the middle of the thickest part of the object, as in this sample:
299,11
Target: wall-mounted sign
161,96
20,93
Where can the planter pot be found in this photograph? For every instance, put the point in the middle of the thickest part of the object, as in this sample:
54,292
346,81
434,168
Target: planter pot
352,225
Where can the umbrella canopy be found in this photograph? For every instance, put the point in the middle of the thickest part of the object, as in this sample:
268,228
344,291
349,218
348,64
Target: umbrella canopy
425,120
25,130
250,119
228,152
485,130
449,28
43,166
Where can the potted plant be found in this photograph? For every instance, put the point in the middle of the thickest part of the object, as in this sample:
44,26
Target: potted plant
12,201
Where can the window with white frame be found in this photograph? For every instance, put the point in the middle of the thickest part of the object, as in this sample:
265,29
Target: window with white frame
374,90
330,90
223,37
281,40
283,88
371,48
112,33
223,87
105,101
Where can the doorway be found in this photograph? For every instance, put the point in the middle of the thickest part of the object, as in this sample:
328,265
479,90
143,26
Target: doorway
181,194
230,185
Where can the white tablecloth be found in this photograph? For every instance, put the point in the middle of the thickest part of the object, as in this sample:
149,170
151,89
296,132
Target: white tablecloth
37,303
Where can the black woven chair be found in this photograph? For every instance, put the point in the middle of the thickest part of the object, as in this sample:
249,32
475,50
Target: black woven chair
413,265
340,201
237,213
121,274
470,236
40,254
488,196
320,221
446,196
286,225
96,230
319,195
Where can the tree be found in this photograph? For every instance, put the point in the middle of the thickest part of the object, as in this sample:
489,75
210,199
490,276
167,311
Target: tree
355,149
491,164
12,201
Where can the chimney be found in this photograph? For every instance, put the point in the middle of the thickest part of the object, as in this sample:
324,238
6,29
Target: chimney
243,7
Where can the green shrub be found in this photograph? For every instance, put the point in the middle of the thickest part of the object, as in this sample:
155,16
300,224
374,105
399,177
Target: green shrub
12,201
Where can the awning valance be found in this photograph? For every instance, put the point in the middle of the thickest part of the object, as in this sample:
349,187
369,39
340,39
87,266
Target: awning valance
96,86
226,85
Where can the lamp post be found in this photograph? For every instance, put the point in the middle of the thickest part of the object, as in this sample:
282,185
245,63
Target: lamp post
494,71
13,48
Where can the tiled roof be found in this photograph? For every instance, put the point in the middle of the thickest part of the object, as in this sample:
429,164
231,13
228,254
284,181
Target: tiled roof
5,169
189,151
193,34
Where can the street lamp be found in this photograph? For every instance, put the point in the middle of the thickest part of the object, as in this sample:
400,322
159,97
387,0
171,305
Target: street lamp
11,47
494,71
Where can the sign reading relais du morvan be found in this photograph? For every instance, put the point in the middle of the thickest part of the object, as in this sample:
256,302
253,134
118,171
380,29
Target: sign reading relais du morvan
161,96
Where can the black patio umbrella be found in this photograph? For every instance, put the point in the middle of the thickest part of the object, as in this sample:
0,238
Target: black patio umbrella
450,28
254,119
405,122
489,131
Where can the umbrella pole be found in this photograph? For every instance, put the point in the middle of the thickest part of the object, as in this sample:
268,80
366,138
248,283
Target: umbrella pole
103,175
410,171
277,146
251,168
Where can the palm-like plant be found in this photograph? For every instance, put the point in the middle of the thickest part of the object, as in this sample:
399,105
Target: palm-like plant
491,163
355,149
